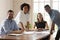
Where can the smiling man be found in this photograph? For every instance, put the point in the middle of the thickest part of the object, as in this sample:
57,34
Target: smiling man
55,17
9,24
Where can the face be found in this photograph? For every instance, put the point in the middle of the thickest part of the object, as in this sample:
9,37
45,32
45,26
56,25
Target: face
47,9
25,9
39,16
10,15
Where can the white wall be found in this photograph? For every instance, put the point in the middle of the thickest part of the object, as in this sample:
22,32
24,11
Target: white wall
5,5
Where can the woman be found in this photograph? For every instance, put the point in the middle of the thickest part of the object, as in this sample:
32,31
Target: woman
40,24
23,16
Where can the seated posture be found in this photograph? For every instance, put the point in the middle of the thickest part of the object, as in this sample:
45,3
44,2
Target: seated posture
9,24
40,24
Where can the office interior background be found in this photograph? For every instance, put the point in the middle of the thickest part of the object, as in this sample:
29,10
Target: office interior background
36,7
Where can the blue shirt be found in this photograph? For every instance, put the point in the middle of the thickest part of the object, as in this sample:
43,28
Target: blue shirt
55,17
8,26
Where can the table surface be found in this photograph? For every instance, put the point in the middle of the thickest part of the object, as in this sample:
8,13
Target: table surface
26,35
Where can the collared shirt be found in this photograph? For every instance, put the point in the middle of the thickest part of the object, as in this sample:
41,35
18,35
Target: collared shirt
55,17
21,17
8,26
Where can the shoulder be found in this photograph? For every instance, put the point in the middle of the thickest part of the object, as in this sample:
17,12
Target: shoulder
44,21
36,23
55,11
14,21
19,13
5,21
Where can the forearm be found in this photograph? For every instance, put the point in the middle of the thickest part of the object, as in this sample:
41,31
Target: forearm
21,24
46,27
52,28
17,32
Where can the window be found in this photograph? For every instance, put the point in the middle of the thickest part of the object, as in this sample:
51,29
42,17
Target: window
38,6
56,4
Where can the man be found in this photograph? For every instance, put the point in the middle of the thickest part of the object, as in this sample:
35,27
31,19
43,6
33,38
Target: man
55,17
9,24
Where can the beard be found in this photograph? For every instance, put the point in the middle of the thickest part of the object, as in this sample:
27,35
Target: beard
10,18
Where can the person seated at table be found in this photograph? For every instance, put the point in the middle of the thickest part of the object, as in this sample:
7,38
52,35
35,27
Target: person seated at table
9,25
40,24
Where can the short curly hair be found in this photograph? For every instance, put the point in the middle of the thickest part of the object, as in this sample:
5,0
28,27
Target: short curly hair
25,4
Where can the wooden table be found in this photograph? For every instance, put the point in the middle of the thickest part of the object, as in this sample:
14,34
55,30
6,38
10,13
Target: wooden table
30,35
